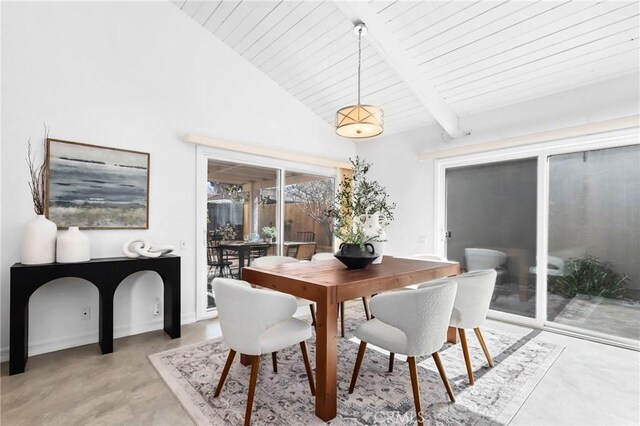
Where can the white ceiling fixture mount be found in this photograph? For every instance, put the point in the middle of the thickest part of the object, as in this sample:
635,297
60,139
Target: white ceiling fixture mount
359,121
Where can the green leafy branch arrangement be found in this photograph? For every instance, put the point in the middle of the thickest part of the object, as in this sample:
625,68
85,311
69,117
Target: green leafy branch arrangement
359,196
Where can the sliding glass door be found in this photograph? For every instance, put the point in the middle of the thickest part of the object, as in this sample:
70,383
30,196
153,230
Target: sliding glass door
560,222
308,229
594,241
491,223
242,217
255,206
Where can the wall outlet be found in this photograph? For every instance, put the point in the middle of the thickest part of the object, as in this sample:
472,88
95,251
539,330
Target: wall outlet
422,239
183,244
86,313
157,307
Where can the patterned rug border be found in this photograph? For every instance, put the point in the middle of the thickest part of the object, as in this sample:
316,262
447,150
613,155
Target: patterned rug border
167,375
172,378
518,401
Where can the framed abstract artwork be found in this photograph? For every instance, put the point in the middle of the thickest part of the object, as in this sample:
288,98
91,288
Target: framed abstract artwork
96,187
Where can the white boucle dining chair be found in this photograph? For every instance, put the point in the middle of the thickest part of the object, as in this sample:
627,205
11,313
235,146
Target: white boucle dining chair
266,261
329,256
470,308
256,322
431,257
322,256
412,323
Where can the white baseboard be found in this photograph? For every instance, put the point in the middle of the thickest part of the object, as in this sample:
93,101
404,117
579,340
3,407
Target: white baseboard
65,342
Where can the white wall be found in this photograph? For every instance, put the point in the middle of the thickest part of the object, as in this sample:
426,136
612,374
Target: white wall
411,183
136,76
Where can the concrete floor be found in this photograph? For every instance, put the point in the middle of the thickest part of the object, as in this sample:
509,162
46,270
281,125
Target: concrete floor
590,384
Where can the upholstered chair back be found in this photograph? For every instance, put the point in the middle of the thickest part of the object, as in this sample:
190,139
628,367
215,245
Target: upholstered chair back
431,257
273,260
245,313
322,256
473,298
423,315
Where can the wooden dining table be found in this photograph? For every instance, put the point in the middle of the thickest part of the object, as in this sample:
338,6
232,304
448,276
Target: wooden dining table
328,283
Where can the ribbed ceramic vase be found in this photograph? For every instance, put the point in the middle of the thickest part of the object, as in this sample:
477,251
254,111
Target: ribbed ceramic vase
39,241
72,246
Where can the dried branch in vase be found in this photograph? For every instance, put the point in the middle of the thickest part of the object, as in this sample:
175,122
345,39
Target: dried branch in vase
37,174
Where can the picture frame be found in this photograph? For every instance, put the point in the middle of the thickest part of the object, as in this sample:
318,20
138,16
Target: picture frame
96,187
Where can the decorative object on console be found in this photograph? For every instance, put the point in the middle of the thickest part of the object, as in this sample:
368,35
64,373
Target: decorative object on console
72,246
138,247
39,241
39,237
97,187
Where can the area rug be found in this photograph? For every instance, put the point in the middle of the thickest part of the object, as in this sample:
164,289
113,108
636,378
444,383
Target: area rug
192,373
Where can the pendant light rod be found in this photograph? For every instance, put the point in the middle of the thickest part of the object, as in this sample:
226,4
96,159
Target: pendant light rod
359,28
359,121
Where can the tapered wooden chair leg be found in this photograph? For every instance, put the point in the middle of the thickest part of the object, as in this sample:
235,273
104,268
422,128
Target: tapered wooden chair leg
342,319
416,388
484,346
255,366
465,352
307,366
356,368
225,371
391,359
274,359
443,376
366,308
313,316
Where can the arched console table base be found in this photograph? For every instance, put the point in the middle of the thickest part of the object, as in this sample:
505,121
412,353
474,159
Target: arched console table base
106,274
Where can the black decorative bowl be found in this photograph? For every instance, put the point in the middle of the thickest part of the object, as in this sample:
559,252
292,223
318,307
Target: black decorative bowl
353,257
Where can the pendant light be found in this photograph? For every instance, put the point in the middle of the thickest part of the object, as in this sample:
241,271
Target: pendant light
359,121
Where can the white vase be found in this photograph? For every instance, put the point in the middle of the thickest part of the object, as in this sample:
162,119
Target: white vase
39,241
380,246
72,246
372,228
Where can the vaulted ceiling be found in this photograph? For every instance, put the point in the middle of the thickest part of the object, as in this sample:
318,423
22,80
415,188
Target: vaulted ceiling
427,61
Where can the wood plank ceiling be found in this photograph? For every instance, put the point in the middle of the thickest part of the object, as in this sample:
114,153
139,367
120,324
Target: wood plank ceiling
477,55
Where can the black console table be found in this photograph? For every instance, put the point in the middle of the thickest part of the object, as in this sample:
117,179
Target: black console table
106,274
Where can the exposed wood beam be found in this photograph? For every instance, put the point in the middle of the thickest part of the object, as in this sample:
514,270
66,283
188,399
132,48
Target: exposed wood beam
388,46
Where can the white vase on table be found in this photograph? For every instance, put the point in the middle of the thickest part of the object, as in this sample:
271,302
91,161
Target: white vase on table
373,229
39,241
379,247
72,246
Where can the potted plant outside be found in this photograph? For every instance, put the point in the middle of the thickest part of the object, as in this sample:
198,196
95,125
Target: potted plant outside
269,233
228,232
